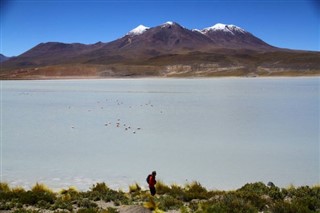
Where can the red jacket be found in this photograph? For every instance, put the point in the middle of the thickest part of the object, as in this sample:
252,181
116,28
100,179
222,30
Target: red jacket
152,181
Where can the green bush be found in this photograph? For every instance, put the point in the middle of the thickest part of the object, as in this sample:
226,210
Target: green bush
258,188
100,191
168,202
5,192
6,206
151,204
26,211
135,188
41,188
100,188
4,188
32,198
40,196
112,210
195,191
276,194
231,202
177,192
235,207
252,197
62,204
86,203
88,210
311,203
162,188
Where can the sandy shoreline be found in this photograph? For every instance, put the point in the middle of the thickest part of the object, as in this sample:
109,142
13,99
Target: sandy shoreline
154,77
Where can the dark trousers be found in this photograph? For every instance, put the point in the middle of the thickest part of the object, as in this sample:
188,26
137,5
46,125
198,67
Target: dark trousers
152,190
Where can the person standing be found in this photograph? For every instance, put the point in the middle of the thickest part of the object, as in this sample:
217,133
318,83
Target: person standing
151,179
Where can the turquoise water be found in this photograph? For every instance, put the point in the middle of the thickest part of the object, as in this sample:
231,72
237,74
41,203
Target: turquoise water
222,132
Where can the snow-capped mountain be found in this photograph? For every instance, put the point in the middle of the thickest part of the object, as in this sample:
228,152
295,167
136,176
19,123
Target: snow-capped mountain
164,50
224,28
168,23
172,37
232,36
144,42
138,30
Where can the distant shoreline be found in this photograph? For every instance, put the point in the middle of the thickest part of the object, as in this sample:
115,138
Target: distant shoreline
153,77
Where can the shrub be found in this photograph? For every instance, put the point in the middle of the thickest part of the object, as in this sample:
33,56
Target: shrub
162,188
70,190
38,194
177,192
258,188
86,203
100,191
88,210
69,194
100,188
61,204
252,197
18,190
284,207
112,210
26,211
276,194
28,198
6,205
196,187
134,188
5,192
184,209
41,188
308,201
4,188
195,191
151,204
233,203
168,202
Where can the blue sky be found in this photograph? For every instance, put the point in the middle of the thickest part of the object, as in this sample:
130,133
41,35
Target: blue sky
293,24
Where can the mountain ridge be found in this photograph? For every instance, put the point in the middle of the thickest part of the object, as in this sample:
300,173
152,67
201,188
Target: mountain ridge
3,58
168,49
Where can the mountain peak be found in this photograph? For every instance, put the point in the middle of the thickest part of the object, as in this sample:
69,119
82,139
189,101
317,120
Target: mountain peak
230,28
170,24
138,30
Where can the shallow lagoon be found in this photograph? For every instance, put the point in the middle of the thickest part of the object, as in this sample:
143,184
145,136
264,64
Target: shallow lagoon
222,132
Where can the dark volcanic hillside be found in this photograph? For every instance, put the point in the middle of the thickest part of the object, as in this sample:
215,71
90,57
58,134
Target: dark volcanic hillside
168,38
165,50
171,38
3,58
51,53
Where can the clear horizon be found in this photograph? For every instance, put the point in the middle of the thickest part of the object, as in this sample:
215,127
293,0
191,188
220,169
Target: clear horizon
292,24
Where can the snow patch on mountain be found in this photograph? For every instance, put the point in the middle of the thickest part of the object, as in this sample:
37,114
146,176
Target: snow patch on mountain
230,28
197,30
169,23
138,30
